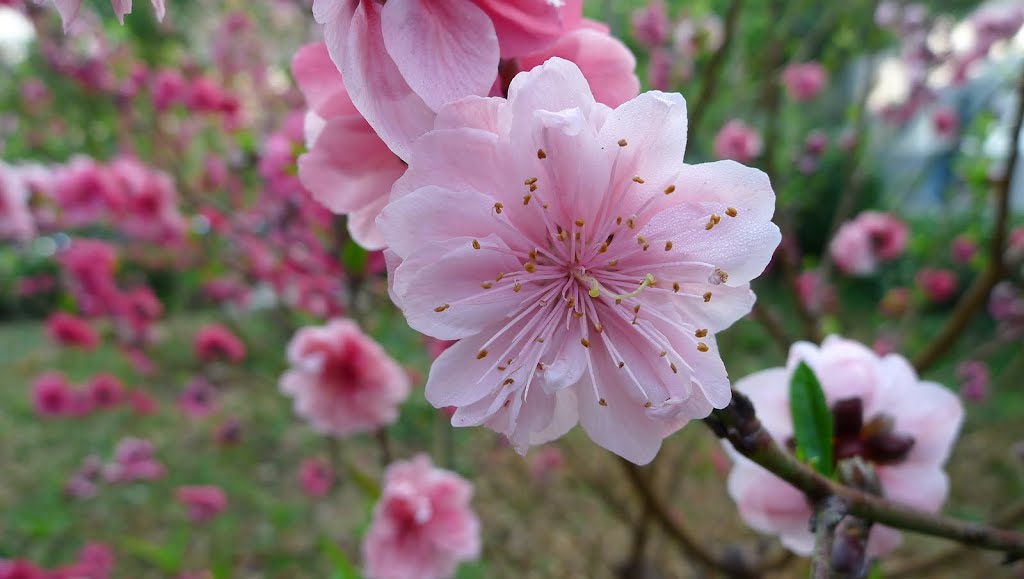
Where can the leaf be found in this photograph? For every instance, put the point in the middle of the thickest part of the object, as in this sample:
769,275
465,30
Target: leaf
365,482
812,420
343,568
163,557
354,257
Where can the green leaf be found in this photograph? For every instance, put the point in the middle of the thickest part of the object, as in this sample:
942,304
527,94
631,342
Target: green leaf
343,568
812,420
163,557
354,257
365,482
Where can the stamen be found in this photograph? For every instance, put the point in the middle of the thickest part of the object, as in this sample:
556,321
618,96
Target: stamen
707,297
702,347
670,189
668,246
702,332
730,211
442,308
497,208
585,342
526,199
481,354
487,285
603,402
541,154
712,221
508,381
623,142
673,366
637,179
476,244
676,287
530,267
530,181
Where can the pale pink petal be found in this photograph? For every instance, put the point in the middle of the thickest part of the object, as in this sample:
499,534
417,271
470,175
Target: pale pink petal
621,425
320,82
121,7
430,213
160,8
68,10
444,49
769,391
770,505
528,25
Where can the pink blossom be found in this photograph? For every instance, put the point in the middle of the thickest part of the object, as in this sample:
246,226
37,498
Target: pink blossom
895,302
651,23
202,503
89,265
938,285
133,461
963,249
945,121
882,412
542,286
21,569
142,404
168,88
342,381
106,391
316,477
659,69
546,463
83,484
52,395
861,244
86,191
150,202
71,331
815,294
423,525
16,221
198,400
356,185
974,379
216,342
738,142
803,81
69,10
397,57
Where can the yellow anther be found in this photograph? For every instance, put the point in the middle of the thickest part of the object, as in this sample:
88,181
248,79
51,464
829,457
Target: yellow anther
579,223
508,381
530,181
541,154
498,207
585,342
530,267
707,297
623,142
526,199
670,189
637,179
440,309
518,286
476,244
487,285
481,354
675,286
730,211
603,402
702,347
668,246
702,332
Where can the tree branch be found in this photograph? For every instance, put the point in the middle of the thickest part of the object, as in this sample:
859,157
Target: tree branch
738,423
713,71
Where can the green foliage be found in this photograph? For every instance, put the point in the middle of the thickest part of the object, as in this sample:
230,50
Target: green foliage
812,420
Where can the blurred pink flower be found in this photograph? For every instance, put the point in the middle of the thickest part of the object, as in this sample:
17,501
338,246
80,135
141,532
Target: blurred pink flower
198,400
83,483
423,525
738,142
69,10
150,202
316,477
16,222
342,381
106,391
95,561
399,55
945,121
651,24
89,266
868,239
355,185
814,293
974,379
202,503
142,404
546,463
551,285
71,331
133,461
962,249
659,69
803,81
52,395
882,412
217,342
228,432
938,285
21,569
85,191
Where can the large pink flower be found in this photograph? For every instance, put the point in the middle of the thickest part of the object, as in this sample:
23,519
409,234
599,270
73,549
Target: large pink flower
583,267
402,60
342,381
348,168
423,525
15,216
882,412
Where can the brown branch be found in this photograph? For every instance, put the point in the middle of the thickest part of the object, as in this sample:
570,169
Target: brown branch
977,294
826,517
713,71
738,423
773,326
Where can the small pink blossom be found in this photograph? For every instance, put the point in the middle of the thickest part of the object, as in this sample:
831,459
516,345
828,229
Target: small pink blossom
814,292
316,477
202,503
532,230
71,331
946,122
738,142
963,249
423,525
16,222
217,342
52,395
870,238
651,24
106,391
198,400
133,461
142,404
974,379
342,381
803,81
21,569
938,285
228,432
882,412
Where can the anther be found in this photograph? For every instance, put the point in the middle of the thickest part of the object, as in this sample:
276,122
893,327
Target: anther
637,179
440,309
636,309
623,142
526,199
530,267
603,402
498,207
540,366
670,189
700,333
487,285
618,220
518,286
622,365
598,327
577,314
476,244
613,263
712,221
675,287
668,246
499,276
647,404
585,342
533,254
730,211
541,154
647,246
502,368
702,347
530,181
508,381
674,369
603,249
663,354
707,297
631,223
533,188
579,223
641,240
481,354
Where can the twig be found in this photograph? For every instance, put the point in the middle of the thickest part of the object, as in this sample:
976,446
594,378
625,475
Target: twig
713,71
773,326
738,423
979,290
826,518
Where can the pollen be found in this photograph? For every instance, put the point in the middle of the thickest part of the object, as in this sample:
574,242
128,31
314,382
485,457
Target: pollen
526,199
670,189
675,287
712,221
476,244
530,181
730,211
598,327
508,381
499,277
700,333
674,369
481,354
618,220
533,254
623,142
603,249
540,366
603,402
579,223
530,267
541,154
663,354
442,308
622,365
702,347
631,223
641,240
668,246
498,207
636,309
487,285
637,179
707,297
585,342
518,286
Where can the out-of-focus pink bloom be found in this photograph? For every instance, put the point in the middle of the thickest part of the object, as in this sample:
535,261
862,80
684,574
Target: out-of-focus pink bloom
659,69
814,293
216,342
1015,246
938,285
106,391
89,266
738,142
95,561
399,54
946,122
974,378
815,143
168,89
83,484
962,249
651,23
423,525
541,282
884,346
356,185
693,36
142,404
150,202
133,461
85,191
546,463
316,477
895,302
198,400
203,503
71,331
52,395
16,222
882,412
803,81
868,239
437,347
21,569
342,381
1006,306
69,10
